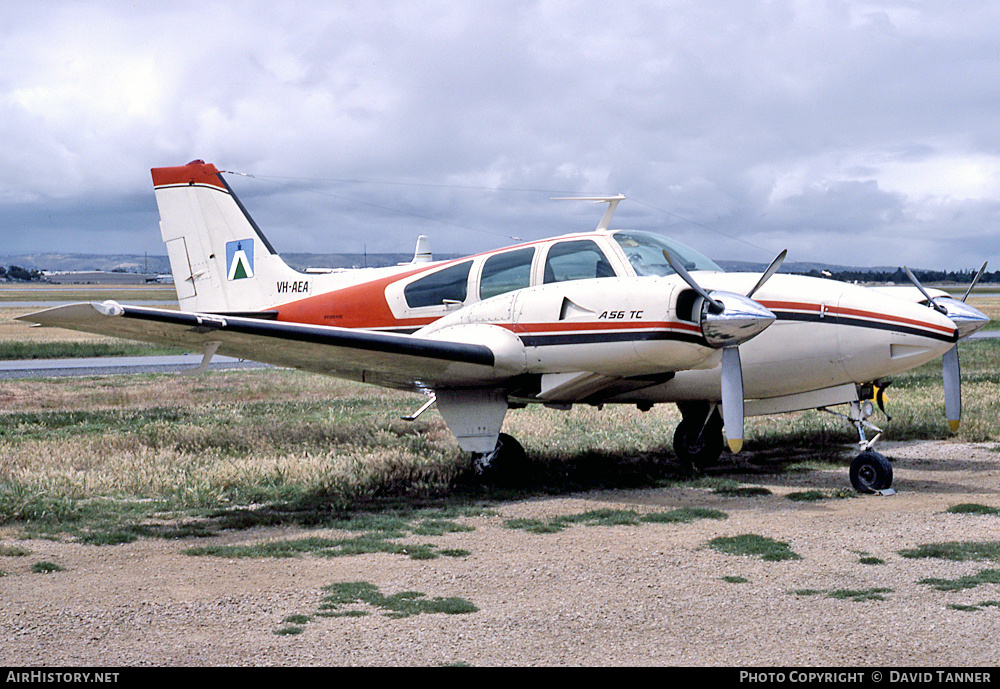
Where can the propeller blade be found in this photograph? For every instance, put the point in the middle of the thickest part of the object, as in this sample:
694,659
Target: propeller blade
934,305
982,269
732,398
771,270
686,276
952,373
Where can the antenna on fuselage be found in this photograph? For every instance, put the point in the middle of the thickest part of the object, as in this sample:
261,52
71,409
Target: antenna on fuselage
612,202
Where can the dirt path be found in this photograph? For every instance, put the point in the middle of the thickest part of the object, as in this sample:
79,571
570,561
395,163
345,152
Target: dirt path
646,594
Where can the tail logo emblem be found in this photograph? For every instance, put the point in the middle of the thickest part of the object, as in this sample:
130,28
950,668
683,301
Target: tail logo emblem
239,259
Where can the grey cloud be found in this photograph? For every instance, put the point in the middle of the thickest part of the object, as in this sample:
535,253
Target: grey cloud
738,127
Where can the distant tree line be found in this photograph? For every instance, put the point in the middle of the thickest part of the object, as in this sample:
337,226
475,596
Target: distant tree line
961,277
20,274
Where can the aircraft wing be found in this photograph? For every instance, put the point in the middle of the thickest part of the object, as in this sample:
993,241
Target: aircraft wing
399,361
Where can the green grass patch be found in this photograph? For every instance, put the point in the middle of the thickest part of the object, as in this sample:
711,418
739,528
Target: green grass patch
738,491
816,495
46,567
683,515
752,544
956,550
398,605
972,508
871,560
856,595
454,552
439,527
114,536
289,631
70,293
325,547
17,349
986,576
859,595
975,608
609,517
57,425
375,533
732,579
22,503
13,551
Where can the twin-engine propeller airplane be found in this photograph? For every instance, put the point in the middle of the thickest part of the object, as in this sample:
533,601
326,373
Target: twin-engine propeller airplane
599,317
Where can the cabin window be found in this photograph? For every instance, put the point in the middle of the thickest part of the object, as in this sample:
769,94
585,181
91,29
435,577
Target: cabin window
448,285
506,272
576,260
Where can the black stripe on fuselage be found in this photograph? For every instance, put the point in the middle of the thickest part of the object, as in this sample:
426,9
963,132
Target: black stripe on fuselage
834,319
543,340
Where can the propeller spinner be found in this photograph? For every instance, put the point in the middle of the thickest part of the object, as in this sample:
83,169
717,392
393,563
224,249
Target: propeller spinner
727,321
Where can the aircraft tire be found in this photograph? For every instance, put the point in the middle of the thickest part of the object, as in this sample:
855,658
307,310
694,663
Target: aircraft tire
505,466
698,451
870,472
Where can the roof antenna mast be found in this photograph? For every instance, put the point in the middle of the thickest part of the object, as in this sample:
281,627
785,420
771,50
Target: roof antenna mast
612,202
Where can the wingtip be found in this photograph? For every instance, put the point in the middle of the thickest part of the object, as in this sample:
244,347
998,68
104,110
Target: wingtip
953,425
108,308
735,444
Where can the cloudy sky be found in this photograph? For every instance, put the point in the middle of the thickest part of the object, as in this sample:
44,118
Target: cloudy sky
857,133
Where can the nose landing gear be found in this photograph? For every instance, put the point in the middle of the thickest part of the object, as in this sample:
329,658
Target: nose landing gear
870,471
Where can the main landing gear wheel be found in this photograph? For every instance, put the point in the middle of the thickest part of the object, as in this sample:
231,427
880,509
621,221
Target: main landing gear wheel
699,444
871,472
504,466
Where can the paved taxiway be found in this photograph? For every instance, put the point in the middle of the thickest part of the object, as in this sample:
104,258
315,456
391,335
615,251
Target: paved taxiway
100,366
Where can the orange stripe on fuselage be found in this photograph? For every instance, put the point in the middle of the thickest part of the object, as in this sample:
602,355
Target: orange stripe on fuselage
358,306
857,313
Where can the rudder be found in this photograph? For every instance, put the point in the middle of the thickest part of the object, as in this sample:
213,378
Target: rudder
221,261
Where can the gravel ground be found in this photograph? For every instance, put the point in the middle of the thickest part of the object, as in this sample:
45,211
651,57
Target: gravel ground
650,594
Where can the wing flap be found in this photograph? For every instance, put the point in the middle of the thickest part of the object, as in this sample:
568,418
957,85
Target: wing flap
402,361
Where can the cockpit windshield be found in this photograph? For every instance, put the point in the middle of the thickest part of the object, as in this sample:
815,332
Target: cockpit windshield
644,251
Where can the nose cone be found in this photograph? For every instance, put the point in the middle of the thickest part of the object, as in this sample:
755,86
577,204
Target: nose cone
967,319
741,319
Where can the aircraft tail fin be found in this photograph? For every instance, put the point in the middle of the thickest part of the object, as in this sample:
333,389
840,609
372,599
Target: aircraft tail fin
221,261
422,252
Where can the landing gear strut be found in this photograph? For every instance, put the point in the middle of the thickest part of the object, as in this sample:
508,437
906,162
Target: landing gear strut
504,466
698,439
870,471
